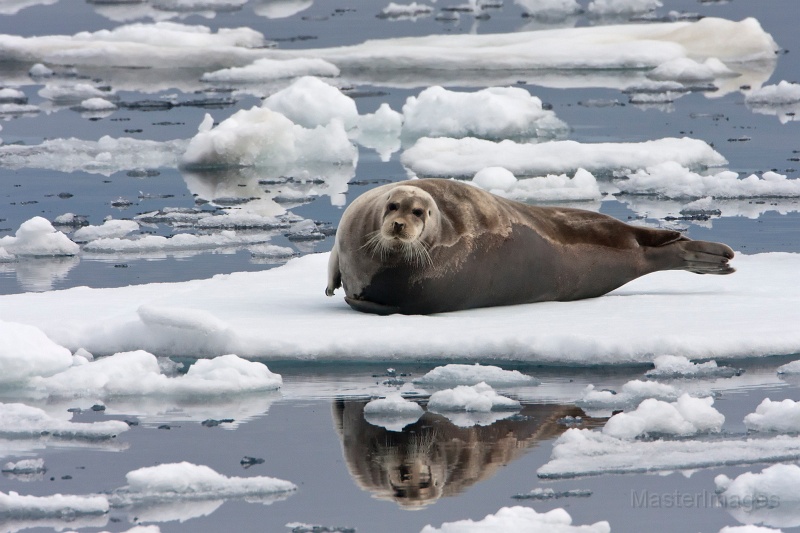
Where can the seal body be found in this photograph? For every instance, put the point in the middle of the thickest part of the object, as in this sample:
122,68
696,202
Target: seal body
433,245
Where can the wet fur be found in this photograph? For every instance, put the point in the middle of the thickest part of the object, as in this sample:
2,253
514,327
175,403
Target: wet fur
475,249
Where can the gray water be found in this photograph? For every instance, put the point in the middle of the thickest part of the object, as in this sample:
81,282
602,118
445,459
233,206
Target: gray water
296,432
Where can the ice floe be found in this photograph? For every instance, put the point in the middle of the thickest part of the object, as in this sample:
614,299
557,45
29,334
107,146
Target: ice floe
676,366
392,412
410,11
754,312
36,237
686,70
448,157
14,506
110,229
493,113
551,188
621,7
266,69
260,137
631,394
18,421
670,179
584,452
779,416
686,416
310,102
26,352
460,374
783,93
520,520
139,373
790,368
768,497
480,398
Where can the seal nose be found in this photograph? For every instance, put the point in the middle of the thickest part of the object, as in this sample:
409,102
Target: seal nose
398,226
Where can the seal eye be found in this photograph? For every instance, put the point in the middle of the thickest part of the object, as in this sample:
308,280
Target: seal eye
417,212
392,207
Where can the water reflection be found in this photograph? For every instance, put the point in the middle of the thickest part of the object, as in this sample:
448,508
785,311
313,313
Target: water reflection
434,458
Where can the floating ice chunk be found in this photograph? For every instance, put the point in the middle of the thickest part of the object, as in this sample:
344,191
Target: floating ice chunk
480,398
171,34
180,241
583,452
12,96
549,8
769,497
105,156
26,352
266,69
495,179
783,416
621,7
71,94
25,466
97,104
551,188
790,368
630,395
380,131
520,520
260,137
16,506
37,237
686,416
550,494
458,374
18,420
311,102
748,529
493,113
781,94
139,373
672,180
392,412
405,11
187,481
111,229
684,69
40,71
677,366
446,157
271,251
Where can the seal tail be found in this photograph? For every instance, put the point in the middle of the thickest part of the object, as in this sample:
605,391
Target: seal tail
703,257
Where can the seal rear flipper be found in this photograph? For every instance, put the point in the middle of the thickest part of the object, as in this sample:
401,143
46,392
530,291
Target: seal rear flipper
703,257
365,306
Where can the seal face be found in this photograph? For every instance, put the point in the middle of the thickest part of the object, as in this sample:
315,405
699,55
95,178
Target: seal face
430,246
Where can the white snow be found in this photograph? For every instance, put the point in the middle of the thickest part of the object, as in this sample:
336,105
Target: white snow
687,70
686,416
676,366
790,368
18,420
582,186
621,7
781,416
14,505
266,69
392,412
781,94
492,113
26,352
751,313
139,373
187,481
310,102
583,452
672,180
520,519
446,157
260,137
37,237
480,398
111,229
460,374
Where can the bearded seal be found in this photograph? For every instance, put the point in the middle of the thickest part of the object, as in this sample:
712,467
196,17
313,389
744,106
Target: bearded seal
434,245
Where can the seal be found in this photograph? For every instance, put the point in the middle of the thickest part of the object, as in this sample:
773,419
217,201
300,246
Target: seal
435,245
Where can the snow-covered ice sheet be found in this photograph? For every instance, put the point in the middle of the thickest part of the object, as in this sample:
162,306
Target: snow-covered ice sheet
584,452
267,315
448,157
520,520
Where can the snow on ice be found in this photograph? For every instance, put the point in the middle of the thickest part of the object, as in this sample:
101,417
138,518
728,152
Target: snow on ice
686,416
754,312
779,416
676,366
460,374
520,520
480,398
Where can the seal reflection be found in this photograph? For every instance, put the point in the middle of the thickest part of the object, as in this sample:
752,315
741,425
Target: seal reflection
434,458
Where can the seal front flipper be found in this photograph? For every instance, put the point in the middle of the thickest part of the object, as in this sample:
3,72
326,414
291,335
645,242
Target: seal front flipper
334,274
365,306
